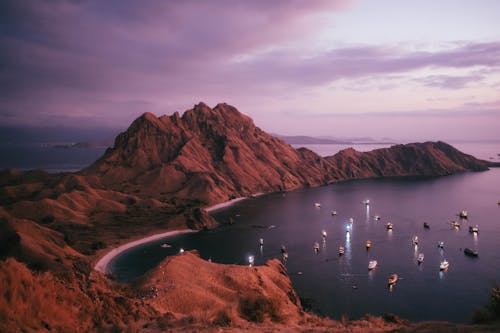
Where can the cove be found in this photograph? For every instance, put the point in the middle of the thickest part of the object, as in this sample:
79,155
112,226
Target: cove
336,286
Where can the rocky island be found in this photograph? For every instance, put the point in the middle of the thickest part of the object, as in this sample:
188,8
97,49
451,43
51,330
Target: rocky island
160,175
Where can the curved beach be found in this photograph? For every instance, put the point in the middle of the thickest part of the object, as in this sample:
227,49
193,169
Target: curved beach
103,263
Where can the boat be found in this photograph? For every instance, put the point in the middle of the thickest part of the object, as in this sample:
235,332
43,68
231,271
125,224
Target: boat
455,224
323,234
368,244
317,204
376,217
316,247
341,250
283,249
261,242
426,225
285,256
444,265
463,214
393,278
415,240
474,229
372,264
441,245
251,260
351,220
389,226
420,258
334,212
471,252
366,202
165,245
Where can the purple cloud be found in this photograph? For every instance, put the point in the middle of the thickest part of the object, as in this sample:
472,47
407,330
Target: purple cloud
372,60
80,62
449,81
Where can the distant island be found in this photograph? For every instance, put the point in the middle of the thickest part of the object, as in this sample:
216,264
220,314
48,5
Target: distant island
159,176
311,140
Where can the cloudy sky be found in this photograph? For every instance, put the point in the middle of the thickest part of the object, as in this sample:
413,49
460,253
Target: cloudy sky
409,70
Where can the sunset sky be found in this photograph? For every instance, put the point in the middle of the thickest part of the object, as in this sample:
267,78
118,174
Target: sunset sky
408,70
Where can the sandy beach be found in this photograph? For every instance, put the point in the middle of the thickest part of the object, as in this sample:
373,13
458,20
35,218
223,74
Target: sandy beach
103,263
224,204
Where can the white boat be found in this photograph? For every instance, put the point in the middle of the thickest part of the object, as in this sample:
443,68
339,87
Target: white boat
444,265
420,258
441,245
261,242
251,260
323,234
368,244
474,229
372,264
376,217
316,247
334,212
366,202
389,226
341,250
317,204
415,240
455,224
463,214
351,220
165,245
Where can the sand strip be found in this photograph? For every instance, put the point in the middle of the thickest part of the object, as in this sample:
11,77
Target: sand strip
103,263
224,204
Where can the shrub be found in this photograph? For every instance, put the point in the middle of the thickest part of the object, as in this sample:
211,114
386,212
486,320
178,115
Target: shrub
222,319
47,219
98,245
9,239
255,307
494,301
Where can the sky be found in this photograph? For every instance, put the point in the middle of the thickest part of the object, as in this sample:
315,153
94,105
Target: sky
406,70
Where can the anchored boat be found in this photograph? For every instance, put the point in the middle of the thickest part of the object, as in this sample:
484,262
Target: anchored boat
444,265
393,278
471,252
420,258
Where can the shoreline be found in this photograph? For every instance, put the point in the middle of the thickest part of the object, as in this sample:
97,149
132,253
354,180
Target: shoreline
224,204
103,263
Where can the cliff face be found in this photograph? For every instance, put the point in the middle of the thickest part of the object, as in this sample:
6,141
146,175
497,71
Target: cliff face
207,154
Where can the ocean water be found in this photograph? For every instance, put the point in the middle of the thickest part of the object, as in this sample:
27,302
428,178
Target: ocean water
334,286
27,156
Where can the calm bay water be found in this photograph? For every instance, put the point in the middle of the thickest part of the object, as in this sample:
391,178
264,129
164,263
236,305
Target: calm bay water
336,285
